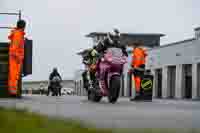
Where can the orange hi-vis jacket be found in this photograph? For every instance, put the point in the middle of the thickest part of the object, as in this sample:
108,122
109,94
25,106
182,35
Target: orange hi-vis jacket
138,56
17,43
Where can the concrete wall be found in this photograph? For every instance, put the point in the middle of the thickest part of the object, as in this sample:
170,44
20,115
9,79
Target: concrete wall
172,61
178,61
198,78
35,85
79,90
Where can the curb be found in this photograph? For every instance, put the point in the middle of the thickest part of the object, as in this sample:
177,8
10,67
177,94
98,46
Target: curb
181,101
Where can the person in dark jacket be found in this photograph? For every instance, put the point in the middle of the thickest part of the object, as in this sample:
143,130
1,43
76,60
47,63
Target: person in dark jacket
53,74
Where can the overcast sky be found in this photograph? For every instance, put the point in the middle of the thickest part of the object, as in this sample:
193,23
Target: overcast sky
57,27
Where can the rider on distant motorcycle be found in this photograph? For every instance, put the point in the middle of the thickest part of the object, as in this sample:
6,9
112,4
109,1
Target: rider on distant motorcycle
53,78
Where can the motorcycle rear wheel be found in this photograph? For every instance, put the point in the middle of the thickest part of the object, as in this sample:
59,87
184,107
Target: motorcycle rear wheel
114,89
55,91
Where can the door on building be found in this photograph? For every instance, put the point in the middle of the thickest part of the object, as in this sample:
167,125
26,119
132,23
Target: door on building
198,79
188,81
129,84
172,81
159,83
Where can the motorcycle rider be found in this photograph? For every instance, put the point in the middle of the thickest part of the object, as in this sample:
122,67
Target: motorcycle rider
85,72
89,60
112,40
53,74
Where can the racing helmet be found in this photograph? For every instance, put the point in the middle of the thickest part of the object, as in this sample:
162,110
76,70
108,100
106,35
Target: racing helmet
114,36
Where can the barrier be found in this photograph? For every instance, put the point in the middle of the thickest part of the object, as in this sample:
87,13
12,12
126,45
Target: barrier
146,89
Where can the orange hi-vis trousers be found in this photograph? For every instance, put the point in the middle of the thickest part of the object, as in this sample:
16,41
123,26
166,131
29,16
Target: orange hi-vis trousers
137,77
137,81
14,74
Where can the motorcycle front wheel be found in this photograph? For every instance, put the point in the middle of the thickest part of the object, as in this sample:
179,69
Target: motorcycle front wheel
92,96
114,89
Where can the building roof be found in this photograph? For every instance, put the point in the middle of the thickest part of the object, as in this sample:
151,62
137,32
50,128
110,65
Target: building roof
83,51
174,43
198,28
149,39
93,34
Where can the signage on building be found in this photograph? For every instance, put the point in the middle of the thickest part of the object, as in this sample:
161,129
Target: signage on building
196,58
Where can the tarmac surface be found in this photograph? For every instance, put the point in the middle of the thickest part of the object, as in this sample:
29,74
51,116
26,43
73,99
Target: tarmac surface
123,114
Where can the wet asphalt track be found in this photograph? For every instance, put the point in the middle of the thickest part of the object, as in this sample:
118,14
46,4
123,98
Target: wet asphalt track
124,114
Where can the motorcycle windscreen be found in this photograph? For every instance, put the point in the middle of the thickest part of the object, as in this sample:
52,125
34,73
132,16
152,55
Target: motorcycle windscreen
116,52
115,56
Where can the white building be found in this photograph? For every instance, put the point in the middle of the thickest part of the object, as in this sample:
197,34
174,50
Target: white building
176,66
176,69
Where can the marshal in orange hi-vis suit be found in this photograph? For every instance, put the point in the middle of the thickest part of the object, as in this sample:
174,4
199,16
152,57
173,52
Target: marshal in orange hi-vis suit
139,55
16,56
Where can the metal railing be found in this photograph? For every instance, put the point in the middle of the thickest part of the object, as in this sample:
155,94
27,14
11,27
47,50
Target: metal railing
19,14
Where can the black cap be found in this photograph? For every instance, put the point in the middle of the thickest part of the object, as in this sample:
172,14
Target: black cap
21,24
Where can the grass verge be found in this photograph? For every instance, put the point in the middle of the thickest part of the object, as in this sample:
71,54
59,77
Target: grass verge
22,121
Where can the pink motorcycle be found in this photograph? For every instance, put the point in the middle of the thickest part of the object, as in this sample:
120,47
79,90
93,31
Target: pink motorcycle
109,75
